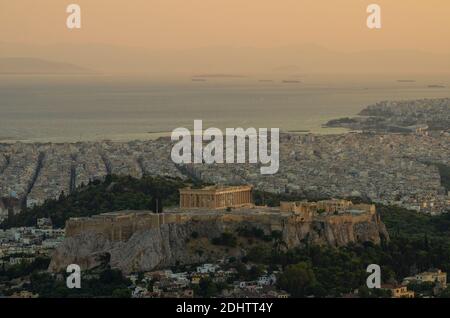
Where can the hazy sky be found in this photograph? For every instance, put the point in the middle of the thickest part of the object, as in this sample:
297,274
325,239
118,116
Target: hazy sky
181,24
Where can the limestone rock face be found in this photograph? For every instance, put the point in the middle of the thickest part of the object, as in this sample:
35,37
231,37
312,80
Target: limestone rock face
162,245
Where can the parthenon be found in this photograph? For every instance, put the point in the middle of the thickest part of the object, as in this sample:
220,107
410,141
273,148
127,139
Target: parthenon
216,197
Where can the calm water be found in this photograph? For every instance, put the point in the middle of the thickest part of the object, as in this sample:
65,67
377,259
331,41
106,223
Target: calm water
45,108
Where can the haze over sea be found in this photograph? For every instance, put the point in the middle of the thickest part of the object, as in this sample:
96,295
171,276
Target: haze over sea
85,108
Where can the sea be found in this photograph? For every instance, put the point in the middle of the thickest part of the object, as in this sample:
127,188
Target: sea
46,108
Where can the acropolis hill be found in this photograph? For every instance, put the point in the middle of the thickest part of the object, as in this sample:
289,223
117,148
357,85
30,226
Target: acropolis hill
142,240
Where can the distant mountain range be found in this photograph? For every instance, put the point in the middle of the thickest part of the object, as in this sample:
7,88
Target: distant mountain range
287,60
31,66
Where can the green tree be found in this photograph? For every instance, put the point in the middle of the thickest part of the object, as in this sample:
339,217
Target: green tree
207,288
121,293
297,279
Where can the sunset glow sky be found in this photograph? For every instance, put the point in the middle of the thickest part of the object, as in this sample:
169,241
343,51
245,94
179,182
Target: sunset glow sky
181,24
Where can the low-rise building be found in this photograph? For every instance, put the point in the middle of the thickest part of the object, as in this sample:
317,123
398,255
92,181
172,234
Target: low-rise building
207,268
435,276
399,291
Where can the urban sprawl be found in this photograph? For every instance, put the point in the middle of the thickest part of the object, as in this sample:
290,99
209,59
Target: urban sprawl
392,168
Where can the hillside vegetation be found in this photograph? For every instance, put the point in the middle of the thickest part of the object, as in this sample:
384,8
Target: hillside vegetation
113,194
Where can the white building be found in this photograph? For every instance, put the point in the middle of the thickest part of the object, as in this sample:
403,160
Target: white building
207,268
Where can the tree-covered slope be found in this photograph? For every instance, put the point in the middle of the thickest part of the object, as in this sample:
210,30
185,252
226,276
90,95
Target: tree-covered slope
113,194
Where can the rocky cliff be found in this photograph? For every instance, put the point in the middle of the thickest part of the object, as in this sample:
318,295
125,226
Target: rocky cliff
142,241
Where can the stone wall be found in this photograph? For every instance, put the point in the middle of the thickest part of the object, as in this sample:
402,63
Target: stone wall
143,241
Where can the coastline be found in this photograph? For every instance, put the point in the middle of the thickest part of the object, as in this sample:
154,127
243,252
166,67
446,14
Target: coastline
149,136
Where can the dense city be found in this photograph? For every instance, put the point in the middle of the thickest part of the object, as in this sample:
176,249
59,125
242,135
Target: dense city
405,170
